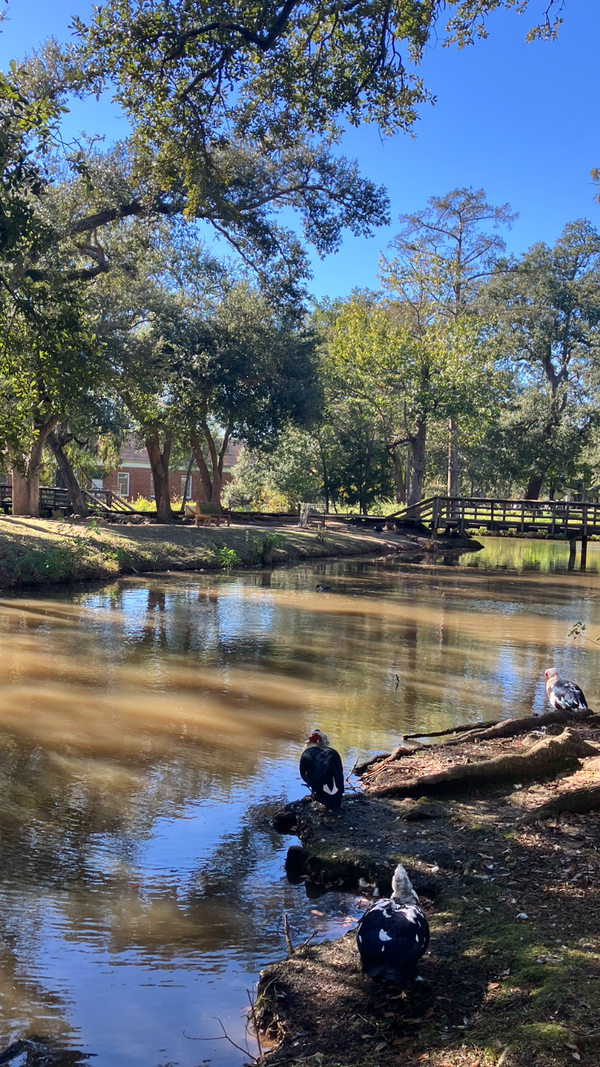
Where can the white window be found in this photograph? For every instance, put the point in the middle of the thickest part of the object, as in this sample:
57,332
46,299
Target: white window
151,487
122,484
97,483
185,486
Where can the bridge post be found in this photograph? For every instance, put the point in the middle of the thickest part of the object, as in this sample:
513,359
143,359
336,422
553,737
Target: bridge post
572,552
584,542
436,515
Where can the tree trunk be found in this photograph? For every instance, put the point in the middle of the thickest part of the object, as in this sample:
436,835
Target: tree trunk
202,466
76,496
399,476
325,471
218,473
212,480
534,487
364,493
417,448
452,457
25,493
188,479
159,462
216,461
26,481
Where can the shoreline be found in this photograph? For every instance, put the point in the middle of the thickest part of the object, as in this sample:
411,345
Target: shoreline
37,552
512,896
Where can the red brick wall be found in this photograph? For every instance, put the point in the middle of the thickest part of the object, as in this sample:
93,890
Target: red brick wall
139,483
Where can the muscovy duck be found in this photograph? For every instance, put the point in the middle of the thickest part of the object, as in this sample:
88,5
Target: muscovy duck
393,934
321,769
562,694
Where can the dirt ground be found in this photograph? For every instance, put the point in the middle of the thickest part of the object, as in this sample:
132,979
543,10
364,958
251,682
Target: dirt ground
512,976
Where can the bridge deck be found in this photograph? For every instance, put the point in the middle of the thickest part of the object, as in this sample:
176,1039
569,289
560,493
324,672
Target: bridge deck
555,517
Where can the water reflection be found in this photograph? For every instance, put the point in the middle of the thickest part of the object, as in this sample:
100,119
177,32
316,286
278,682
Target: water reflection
148,729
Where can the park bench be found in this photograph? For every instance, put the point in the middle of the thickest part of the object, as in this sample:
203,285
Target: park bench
205,512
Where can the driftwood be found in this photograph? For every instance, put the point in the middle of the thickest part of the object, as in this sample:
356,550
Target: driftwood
385,757
513,727
548,756
452,730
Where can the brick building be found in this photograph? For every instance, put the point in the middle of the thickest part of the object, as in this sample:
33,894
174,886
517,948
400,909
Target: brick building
133,476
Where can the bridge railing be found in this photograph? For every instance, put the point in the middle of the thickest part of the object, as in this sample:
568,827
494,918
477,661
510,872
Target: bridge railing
554,516
54,498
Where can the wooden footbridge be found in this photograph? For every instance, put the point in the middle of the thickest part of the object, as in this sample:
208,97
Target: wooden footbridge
575,520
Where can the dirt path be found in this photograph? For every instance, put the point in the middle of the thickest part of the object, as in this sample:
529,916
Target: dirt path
41,551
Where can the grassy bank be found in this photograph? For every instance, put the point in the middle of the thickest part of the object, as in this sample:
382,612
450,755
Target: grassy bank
43,551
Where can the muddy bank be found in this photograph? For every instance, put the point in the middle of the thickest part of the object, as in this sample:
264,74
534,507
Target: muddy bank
513,972
43,551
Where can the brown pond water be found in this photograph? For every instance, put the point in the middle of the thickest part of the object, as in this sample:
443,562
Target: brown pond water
149,728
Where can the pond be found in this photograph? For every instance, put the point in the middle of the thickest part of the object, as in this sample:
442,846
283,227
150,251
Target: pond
148,729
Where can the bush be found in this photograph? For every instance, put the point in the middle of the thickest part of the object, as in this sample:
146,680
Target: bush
142,503
228,558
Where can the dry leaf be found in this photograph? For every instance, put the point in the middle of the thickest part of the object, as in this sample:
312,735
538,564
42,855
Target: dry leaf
494,985
429,1013
414,1022
380,1045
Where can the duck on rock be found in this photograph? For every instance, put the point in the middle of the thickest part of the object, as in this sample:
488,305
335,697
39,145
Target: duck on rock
393,934
562,694
321,769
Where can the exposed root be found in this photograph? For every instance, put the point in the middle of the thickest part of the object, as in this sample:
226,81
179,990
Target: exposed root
548,756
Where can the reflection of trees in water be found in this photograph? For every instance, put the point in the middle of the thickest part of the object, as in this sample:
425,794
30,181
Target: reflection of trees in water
27,1006
215,908
55,807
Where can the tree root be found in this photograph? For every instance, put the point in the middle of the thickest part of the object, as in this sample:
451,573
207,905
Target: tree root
578,800
546,757
385,757
513,727
453,730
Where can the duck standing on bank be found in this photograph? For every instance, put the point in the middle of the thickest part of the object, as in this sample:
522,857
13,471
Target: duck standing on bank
562,694
321,769
393,934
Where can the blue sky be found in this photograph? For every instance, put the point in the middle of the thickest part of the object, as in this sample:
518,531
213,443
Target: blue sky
521,121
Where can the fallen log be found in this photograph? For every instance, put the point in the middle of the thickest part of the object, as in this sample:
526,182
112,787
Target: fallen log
548,756
513,727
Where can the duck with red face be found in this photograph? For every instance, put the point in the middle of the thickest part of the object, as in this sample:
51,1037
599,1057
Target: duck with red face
562,694
321,769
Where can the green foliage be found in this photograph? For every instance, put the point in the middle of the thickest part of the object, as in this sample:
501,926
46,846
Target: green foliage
249,368
228,558
143,503
272,540
202,70
280,479
547,307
